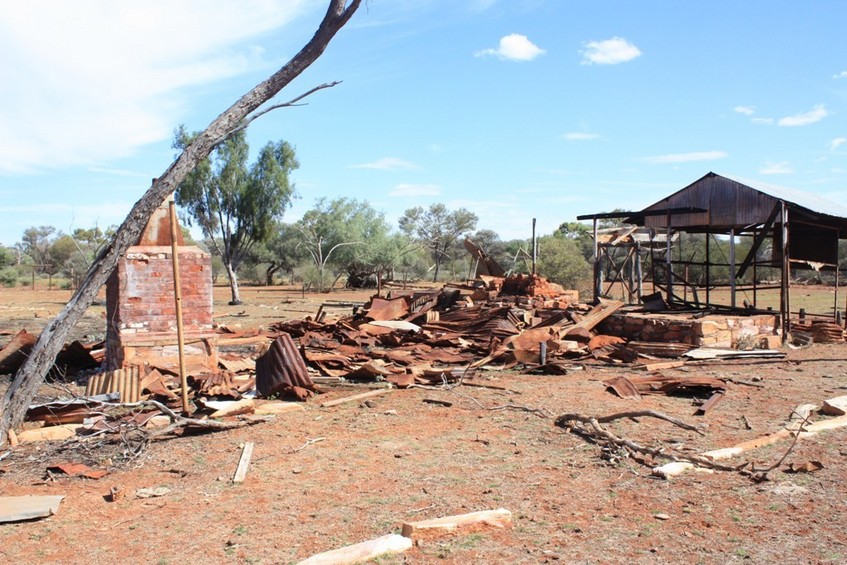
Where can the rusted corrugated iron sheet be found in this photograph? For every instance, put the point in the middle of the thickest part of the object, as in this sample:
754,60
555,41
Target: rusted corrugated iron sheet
13,355
235,364
281,369
125,381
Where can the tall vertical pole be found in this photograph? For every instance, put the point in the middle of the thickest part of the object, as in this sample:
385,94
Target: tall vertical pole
183,379
669,258
638,275
708,265
598,284
534,247
784,297
835,298
732,267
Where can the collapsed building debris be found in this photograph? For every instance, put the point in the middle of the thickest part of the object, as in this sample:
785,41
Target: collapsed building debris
423,338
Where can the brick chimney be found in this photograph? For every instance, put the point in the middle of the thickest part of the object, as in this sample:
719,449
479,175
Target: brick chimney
141,309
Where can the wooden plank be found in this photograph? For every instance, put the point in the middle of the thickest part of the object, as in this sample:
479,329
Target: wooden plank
835,406
660,365
19,508
596,315
361,552
236,408
355,397
279,407
244,340
243,463
49,433
500,518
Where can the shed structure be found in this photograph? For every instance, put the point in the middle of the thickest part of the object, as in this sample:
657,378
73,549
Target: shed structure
803,231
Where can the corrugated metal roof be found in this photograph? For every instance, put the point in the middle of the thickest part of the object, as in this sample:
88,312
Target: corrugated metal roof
807,200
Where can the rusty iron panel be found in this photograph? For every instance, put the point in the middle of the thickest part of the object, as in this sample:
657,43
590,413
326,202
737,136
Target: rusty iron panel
282,368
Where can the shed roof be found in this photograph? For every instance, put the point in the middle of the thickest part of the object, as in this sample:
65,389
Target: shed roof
735,203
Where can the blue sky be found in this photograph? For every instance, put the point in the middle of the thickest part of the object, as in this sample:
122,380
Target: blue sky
513,109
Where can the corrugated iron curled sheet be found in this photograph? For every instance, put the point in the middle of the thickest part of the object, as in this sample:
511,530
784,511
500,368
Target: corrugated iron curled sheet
281,370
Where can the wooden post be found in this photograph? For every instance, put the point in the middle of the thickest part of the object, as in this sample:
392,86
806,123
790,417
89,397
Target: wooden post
835,298
732,267
755,276
598,283
669,258
534,247
638,275
180,339
708,265
784,295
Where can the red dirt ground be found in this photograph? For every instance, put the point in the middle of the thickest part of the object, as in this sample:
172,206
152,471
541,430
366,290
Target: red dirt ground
396,458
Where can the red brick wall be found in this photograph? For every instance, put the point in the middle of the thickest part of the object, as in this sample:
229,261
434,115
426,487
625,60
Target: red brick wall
140,293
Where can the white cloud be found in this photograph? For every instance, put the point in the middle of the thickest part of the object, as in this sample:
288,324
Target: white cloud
415,190
514,47
746,110
842,74
579,136
776,168
388,164
762,121
837,142
609,52
92,80
687,157
816,114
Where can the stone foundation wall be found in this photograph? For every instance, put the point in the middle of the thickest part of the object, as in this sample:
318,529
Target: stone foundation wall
712,330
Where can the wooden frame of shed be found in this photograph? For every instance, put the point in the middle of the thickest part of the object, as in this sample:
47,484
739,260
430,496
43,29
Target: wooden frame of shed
803,228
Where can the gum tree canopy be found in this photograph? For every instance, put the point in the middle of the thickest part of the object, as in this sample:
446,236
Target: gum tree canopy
437,228
236,206
22,390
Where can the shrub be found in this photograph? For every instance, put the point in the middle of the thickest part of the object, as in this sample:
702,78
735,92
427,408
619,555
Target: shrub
8,276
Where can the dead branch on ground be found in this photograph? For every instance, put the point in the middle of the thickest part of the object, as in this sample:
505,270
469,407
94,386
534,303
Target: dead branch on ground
589,427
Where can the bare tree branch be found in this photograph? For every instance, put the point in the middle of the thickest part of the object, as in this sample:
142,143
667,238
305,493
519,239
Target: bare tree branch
293,102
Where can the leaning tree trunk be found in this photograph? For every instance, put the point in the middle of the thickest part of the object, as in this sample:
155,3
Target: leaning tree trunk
30,376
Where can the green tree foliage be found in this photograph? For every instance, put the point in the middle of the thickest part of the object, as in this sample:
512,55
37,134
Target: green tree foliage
35,244
7,257
437,229
281,253
61,253
8,273
560,261
582,235
382,253
236,206
342,232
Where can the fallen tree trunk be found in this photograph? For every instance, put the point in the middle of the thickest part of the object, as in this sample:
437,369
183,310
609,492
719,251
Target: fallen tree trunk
31,375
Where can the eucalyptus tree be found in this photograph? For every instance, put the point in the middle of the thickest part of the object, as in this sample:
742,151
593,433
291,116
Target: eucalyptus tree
236,206
340,232
437,228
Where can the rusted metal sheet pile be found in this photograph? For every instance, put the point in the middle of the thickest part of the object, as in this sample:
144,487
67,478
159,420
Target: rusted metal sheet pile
423,337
